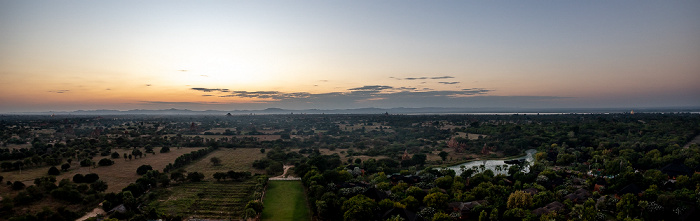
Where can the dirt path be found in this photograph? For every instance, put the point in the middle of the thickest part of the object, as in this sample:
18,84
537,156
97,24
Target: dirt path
285,175
695,140
93,213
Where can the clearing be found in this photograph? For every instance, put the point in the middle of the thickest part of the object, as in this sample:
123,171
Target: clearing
238,159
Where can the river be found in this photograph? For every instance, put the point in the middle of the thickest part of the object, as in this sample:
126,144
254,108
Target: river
491,164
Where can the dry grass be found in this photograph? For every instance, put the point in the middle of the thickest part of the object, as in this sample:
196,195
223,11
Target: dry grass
117,176
239,159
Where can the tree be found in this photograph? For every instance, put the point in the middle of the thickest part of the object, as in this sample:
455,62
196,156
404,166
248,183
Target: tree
78,178
17,185
137,153
143,169
215,161
494,214
220,175
519,199
419,158
483,216
359,207
105,162
164,149
443,155
54,171
91,178
86,163
436,200
441,216
99,186
65,167
177,176
115,155
195,176
255,205
626,206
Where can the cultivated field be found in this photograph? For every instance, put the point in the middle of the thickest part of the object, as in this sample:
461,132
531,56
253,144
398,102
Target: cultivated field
239,159
285,200
206,199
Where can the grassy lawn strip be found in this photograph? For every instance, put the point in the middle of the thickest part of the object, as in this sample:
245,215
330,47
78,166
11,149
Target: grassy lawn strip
285,200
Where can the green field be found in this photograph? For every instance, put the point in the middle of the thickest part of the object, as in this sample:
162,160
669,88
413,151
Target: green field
207,199
285,200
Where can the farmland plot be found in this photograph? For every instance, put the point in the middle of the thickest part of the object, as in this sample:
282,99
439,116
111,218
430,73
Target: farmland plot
207,200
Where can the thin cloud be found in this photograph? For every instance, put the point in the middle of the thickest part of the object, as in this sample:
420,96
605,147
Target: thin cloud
418,78
453,82
371,88
423,78
443,77
209,89
59,91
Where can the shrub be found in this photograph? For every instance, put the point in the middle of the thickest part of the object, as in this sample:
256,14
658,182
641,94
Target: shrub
91,178
78,178
54,171
86,163
143,169
17,185
106,162
65,167
195,176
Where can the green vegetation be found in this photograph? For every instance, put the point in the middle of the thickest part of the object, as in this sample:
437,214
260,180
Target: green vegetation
285,200
205,200
587,166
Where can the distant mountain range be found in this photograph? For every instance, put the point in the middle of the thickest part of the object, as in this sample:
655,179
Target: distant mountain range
424,110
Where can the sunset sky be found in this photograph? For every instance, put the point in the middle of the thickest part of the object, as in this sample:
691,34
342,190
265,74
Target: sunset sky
234,55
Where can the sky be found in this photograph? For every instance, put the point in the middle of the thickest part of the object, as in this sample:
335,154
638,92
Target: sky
243,55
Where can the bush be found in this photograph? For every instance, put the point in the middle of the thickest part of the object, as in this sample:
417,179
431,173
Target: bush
106,162
78,178
17,185
143,169
86,163
195,177
164,149
91,178
65,167
54,171
115,155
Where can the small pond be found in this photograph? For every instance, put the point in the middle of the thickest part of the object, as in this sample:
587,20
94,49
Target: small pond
491,164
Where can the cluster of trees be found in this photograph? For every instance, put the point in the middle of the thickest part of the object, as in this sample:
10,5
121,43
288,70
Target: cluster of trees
84,191
188,158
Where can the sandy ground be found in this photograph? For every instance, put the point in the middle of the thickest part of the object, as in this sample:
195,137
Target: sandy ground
695,140
285,175
93,213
